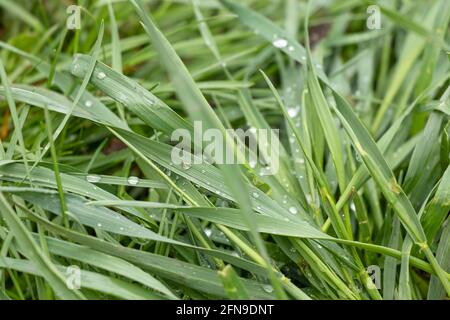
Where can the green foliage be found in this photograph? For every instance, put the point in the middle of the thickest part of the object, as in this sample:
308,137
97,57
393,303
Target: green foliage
87,179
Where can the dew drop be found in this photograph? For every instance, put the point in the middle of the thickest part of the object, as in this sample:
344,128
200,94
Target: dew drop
293,210
133,180
99,224
255,195
101,75
293,111
93,178
291,48
88,103
280,43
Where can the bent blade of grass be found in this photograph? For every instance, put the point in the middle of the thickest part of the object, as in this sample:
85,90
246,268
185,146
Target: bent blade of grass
129,93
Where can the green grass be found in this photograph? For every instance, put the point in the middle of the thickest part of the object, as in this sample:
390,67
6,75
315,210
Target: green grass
87,179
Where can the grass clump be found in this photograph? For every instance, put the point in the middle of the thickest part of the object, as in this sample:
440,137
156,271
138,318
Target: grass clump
93,206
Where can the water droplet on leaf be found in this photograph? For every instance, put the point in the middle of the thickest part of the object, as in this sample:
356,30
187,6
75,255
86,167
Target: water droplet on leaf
293,111
101,75
280,43
267,288
93,178
133,180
